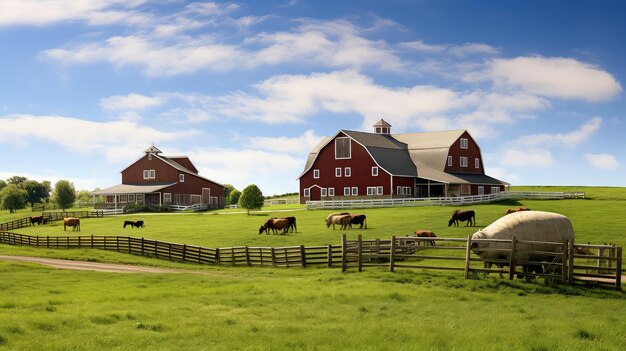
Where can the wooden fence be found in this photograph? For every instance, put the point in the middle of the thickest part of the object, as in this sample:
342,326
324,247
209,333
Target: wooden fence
561,262
328,255
442,201
51,217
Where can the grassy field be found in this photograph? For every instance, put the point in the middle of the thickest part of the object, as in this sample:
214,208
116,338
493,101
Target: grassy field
225,308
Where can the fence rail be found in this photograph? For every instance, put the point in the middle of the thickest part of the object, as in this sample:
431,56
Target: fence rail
442,201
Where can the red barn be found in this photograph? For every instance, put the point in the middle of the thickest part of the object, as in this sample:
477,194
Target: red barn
155,179
360,165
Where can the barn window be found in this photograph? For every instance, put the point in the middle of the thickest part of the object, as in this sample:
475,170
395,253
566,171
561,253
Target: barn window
152,174
476,162
449,161
167,198
324,192
481,190
355,191
181,178
131,198
331,191
374,171
464,161
463,143
316,173
347,172
123,198
371,190
342,148
307,192
146,174
379,190
346,191
338,172
495,189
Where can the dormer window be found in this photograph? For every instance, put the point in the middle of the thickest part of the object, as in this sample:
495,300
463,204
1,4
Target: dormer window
149,174
463,143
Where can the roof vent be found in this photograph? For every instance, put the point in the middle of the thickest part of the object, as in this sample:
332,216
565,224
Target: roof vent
382,127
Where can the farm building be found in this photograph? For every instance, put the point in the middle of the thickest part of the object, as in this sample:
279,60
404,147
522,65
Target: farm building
361,165
158,180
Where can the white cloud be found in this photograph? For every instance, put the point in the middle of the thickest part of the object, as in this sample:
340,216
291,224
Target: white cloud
130,102
473,49
45,12
300,145
603,161
112,139
555,77
526,158
570,139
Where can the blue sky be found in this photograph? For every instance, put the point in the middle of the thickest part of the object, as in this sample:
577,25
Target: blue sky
246,89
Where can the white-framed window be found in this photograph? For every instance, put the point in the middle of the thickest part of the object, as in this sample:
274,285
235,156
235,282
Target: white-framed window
316,174
307,192
346,191
463,143
324,192
355,191
167,198
403,190
371,190
131,197
449,161
347,172
379,190
123,198
331,191
149,174
481,190
476,162
374,171
342,148
152,174
338,172
463,161
181,178
495,189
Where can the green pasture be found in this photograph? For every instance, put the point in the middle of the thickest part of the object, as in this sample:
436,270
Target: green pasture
241,308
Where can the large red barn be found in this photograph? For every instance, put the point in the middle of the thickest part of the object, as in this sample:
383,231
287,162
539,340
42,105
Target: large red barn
155,179
361,165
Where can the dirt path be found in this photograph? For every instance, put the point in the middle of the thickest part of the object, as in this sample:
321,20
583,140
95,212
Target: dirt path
95,266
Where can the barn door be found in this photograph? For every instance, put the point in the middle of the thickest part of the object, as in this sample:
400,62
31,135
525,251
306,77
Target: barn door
315,193
206,196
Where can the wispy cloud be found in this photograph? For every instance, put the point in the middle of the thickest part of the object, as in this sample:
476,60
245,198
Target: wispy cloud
602,161
571,139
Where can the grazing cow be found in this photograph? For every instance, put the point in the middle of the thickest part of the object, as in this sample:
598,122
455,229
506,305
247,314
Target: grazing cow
359,219
38,219
328,219
71,222
275,224
292,223
345,220
513,210
421,233
463,215
134,224
536,226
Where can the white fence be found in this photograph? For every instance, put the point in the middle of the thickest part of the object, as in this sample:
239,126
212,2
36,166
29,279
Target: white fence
195,207
441,201
281,202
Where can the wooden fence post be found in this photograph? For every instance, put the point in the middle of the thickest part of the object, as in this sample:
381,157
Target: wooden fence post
618,266
302,256
512,258
117,243
184,251
392,254
330,256
570,263
467,255
344,263
217,256
47,241
273,256
142,246
359,253
247,256
564,260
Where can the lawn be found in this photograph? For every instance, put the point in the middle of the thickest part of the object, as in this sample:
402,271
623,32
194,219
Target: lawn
225,308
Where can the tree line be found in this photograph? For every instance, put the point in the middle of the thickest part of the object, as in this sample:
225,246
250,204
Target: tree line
17,192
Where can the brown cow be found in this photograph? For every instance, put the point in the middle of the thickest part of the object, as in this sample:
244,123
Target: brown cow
37,219
421,233
72,222
343,219
513,210
275,224
463,215
359,219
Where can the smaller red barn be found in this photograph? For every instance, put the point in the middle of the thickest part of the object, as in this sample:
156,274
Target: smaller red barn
158,180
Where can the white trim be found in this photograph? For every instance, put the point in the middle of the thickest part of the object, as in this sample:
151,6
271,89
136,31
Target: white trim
464,161
371,190
181,177
346,191
347,172
331,191
449,161
324,192
316,173
306,192
374,171
379,190
355,191
337,172
464,143
477,162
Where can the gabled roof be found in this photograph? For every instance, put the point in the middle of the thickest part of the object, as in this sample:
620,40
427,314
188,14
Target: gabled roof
131,189
382,123
388,153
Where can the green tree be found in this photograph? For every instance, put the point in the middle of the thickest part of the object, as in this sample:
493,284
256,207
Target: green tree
17,180
64,194
13,198
228,188
36,191
83,196
2,184
251,198
234,197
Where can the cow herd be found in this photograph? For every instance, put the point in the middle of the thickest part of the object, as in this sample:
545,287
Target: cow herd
75,222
